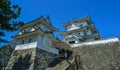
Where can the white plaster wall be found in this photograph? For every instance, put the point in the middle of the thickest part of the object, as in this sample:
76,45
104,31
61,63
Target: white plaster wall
32,29
72,39
68,27
72,27
39,41
28,29
44,28
26,40
81,23
88,32
45,44
19,44
20,33
81,34
50,49
45,41
76,25
96,42
90,39
26,46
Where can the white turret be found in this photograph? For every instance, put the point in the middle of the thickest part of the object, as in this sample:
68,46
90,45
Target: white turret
80,30
36,34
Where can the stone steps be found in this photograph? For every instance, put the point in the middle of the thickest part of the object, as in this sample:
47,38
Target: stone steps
61,66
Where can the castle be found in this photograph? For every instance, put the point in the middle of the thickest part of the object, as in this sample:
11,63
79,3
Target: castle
80,30
37,48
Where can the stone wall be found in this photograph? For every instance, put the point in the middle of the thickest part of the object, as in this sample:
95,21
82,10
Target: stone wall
30,59
98,57
43,60
21,59
103,41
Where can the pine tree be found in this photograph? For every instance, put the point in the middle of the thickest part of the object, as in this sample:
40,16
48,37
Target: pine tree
8,14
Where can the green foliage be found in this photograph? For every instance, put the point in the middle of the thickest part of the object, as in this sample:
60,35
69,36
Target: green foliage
8,14
5,53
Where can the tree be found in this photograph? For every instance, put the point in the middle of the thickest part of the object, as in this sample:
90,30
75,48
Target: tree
5,52
8,14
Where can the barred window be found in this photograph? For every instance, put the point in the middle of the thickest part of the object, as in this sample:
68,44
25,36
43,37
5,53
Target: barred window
30,40
23,41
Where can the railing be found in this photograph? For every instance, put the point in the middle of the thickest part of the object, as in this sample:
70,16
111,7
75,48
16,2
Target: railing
34,44
92,35
103,41
26,46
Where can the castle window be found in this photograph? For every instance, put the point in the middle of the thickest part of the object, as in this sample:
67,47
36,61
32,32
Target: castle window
85,33
81,40
81,34
35,27
71,42
29,40
23,41
81,25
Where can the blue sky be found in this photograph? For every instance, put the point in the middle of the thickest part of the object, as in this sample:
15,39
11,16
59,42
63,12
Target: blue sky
104,13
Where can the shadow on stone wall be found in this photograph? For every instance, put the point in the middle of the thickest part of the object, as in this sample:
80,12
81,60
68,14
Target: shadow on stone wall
55,62
77,64
22,63
99,57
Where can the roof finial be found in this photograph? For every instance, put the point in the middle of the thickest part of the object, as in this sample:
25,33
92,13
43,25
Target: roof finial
87,15
41,16
47,18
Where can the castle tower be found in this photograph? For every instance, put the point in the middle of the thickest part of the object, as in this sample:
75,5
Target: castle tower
80,30
34,46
